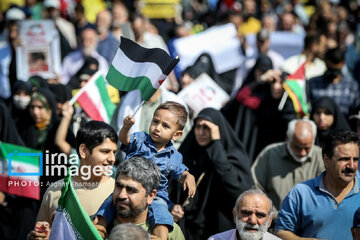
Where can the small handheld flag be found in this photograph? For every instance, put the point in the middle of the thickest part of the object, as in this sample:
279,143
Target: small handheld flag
294,86
136,67
95,100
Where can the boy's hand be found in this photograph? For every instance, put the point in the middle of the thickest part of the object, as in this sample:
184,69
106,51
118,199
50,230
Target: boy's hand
128,121
190,184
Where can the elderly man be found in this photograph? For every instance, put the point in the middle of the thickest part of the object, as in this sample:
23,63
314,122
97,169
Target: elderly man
74,60
253,213
280,166
135,188
323,207
108,44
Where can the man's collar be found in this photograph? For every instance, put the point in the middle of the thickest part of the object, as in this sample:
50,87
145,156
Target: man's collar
319,183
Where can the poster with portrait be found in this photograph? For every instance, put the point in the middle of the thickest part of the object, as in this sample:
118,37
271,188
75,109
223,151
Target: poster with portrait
39,52
202,93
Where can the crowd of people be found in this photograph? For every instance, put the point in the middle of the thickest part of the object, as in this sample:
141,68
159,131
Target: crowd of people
256,168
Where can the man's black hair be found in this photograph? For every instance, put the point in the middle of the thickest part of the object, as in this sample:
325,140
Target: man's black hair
337,138
94,133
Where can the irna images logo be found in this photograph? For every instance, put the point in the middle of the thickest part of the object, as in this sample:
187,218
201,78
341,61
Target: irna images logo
52,164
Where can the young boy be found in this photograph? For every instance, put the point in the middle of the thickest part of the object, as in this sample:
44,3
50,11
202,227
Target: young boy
167,124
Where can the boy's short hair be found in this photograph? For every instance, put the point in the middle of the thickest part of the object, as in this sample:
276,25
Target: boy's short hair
94,133
176,108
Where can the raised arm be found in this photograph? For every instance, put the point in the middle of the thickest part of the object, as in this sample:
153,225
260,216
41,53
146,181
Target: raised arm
124,135
62,131
234,167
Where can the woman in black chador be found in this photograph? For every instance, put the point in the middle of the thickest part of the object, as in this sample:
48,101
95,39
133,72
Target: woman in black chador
215,155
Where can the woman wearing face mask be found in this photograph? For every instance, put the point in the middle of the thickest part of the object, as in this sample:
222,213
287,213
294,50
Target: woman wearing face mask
20,101
327,117
214,154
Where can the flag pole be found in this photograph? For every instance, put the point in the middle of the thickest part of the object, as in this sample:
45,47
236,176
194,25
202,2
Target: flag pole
138,108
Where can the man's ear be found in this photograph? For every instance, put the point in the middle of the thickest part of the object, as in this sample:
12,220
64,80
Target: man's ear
270,221
234,215
177,135
326,160
151,196
83,151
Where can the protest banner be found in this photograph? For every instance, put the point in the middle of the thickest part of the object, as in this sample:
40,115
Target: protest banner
203,93
221,42
39,53
286,44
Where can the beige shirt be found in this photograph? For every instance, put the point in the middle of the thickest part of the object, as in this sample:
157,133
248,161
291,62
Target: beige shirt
275,172
90,196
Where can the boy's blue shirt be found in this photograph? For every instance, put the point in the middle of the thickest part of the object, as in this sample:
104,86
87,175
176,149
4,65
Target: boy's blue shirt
169,160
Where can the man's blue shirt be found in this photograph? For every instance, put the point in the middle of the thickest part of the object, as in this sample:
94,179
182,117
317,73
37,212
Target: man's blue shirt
309,210
169,160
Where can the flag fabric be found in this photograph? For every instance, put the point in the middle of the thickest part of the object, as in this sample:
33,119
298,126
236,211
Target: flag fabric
71,220
95,100
136,67
294,85
20,170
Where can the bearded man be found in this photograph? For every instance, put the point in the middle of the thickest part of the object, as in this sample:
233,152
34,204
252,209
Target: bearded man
280,166
135,188
253,213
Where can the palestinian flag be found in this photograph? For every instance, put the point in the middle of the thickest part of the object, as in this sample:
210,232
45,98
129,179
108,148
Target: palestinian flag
294,85
136,67
71,220
20,170
95,100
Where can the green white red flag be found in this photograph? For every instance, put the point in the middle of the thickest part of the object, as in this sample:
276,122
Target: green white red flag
94,99
20,170
71,220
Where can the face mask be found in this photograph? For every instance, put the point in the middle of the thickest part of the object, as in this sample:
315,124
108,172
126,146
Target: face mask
21,102
332,73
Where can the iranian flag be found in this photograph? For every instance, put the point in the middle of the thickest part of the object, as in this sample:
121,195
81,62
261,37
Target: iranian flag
95,100
71,220
294,85
136,67
20,170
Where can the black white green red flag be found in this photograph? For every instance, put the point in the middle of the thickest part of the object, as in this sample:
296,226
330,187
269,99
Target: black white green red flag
294,85
136,67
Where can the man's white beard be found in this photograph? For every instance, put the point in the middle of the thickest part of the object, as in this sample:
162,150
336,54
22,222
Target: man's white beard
246,235
87,51
293,155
